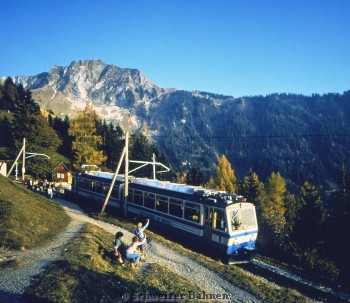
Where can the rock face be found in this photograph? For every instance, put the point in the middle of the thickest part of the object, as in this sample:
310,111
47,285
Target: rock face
116,93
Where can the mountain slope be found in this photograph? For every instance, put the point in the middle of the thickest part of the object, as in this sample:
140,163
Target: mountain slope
302,137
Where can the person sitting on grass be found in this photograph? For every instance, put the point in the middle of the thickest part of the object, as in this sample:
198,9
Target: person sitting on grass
119,248
131,252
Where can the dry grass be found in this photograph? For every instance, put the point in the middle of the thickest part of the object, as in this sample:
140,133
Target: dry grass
88,272
27,220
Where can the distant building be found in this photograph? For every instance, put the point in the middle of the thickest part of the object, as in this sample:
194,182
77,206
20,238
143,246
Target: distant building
61,174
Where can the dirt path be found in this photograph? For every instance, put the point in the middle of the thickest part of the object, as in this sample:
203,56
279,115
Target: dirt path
14,281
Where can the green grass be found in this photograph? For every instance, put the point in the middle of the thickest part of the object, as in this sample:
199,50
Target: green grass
88,273
27,220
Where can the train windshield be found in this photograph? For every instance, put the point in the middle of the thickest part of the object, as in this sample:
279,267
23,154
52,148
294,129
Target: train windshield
243,218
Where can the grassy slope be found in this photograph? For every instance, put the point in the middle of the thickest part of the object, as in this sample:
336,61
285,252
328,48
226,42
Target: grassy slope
255,285
27,220
89,273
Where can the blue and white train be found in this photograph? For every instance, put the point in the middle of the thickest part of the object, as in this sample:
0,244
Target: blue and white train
223,221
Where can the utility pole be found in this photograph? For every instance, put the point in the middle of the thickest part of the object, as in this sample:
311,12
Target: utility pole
14,163
154,166
126,186
112,183
24,159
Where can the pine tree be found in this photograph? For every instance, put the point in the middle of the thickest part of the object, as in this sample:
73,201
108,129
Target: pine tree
24,108
195,176
62,127
291,208
8,95
224,178
40,137
251,186
310,217
113,142
86,143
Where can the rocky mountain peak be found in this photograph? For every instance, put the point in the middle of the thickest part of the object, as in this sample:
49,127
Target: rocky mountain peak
95,81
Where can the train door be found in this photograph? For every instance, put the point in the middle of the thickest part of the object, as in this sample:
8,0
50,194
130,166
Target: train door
208,221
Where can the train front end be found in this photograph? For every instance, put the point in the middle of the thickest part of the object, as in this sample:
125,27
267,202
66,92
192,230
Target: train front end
243,232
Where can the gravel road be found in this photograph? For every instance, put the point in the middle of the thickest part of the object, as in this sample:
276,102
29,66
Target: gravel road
14,281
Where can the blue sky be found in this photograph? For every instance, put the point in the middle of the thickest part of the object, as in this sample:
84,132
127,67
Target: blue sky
231,47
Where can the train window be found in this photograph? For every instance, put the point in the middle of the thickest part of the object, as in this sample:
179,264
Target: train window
208,216
130,196
243,218
176,207
99,187
92,185
104,189
219,221
81,183
115,191
87,184
191,212
138,197
149,200
162,204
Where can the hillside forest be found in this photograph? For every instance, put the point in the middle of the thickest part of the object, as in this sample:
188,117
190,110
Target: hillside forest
301,228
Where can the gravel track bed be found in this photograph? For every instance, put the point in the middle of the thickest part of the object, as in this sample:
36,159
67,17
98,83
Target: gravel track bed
14,281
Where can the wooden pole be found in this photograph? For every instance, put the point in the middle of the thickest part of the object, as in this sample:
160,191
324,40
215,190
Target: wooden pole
24,159
112,183
14,163
126,186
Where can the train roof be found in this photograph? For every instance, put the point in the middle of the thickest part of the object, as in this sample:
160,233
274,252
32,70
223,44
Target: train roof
208,194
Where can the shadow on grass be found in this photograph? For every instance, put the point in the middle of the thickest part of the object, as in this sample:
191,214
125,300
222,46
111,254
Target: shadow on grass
66,282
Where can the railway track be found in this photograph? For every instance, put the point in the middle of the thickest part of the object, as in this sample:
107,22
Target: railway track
315,291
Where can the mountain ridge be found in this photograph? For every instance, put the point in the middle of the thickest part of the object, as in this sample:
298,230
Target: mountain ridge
293,134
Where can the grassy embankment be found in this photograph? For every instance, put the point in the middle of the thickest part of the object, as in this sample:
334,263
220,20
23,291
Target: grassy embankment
27,220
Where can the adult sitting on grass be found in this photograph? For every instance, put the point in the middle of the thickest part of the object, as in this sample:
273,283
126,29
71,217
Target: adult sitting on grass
131,252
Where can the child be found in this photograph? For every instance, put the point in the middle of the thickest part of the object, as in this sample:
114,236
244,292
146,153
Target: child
139,232
119,247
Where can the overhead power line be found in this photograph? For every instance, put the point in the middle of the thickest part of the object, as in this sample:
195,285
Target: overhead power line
252,136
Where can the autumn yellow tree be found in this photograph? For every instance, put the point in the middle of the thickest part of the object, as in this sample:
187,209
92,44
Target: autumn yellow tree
271,211
224,177
86,143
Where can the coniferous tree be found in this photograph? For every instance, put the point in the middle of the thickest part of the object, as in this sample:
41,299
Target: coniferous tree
310,217
24,108
6,135
142,150
62,127
339,225
251,186
8,95
224,177
291,208
195,176
86,143
113,142
40,137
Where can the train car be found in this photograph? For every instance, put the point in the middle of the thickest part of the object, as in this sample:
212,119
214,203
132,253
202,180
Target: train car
225,222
